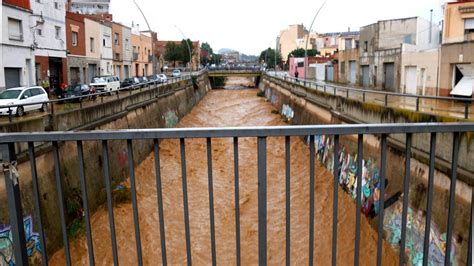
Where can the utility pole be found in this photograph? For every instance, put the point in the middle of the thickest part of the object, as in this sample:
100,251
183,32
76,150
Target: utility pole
307,39
152,40
431,24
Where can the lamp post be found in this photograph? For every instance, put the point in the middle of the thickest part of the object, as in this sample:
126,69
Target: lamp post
189,48
152,41
307,39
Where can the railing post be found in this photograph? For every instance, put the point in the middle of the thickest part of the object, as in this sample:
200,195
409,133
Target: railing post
12,185
80,102
262,201
417,104
386,100
347,93
52,108
466,110
324,86
10,119
363,96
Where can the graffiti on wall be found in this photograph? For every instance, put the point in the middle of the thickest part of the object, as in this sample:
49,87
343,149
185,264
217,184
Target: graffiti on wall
287,112
324,148
33,245
171,119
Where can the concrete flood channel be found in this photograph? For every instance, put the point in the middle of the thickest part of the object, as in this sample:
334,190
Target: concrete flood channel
235,106
224,108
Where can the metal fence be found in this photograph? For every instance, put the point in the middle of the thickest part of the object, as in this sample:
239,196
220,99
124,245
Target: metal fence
364,94
50,104
7,148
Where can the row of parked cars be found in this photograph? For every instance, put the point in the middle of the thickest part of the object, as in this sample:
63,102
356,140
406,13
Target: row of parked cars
25,97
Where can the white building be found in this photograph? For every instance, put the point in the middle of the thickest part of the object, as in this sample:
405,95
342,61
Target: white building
106,53
17,54
89,6
50,39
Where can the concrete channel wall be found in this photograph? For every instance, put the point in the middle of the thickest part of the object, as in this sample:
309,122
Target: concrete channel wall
141,110
305,106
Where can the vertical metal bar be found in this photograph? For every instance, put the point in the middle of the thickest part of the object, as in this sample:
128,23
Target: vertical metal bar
324,86
429,201
288,198
211,200
110,205
363,96
62,206
85,202
80,102
335,92
335,199
383,163
237,200
136,220
360,155
10,118
311,200
159,196
347,93
471,238
34,177
386,100
262,201
52,108
185,201
15,212
452,198
406,187
466,110
417,104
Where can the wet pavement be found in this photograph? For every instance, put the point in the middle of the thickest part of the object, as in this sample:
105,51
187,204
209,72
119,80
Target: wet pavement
224,108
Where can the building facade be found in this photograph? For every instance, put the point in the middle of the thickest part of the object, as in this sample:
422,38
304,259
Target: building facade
17,45
50,42
457,56
380,50
106,51
89,6
294,37
127,54
93,45
142,60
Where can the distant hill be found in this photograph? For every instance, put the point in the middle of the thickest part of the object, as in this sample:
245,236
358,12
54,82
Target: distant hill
243,57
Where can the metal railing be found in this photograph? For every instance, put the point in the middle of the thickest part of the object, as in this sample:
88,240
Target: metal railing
349,92
50,104
7,149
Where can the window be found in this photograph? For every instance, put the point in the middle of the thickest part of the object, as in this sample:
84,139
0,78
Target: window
116,38
117,56
74,38
58,32
38,1
56,5
39,32
469,28
15,29
106,41
91,41
366,46
127,45
343,67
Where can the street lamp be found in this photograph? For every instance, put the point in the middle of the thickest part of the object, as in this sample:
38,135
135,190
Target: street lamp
151,35
189,48
307,39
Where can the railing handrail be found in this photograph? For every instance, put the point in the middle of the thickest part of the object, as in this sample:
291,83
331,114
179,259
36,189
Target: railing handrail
373,91
172,133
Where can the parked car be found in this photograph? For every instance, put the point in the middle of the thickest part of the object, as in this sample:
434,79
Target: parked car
130,82
23,95
144,81
153,78
176,73
108,84
73,92
162,78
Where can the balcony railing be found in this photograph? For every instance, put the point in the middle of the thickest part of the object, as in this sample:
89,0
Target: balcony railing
7,151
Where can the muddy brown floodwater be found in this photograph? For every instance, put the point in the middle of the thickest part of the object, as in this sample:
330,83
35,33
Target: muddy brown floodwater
223,108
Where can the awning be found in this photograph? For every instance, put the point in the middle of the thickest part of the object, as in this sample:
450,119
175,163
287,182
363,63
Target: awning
465,85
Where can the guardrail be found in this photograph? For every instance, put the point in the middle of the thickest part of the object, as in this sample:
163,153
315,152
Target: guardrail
7,151
347,91
50,104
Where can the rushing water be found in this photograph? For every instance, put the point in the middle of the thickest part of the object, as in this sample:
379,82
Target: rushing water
223,108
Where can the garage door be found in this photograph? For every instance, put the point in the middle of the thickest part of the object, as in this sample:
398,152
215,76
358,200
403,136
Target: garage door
12,77
352,72
463,80
75,75
410,79
320,72
365,76
389,76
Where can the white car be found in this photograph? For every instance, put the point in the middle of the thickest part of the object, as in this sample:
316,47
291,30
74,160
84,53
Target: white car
162,78
108,84
176,73
25,97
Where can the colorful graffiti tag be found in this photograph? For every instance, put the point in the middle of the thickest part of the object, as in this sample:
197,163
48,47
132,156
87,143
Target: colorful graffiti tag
33,245
171,119
324,147
287,112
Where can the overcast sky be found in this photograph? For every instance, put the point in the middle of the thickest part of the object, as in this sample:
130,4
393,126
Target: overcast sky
251,25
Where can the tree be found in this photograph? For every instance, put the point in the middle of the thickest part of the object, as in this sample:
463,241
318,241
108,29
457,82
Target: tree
268,56
300,52
206,53
184,50
172,53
